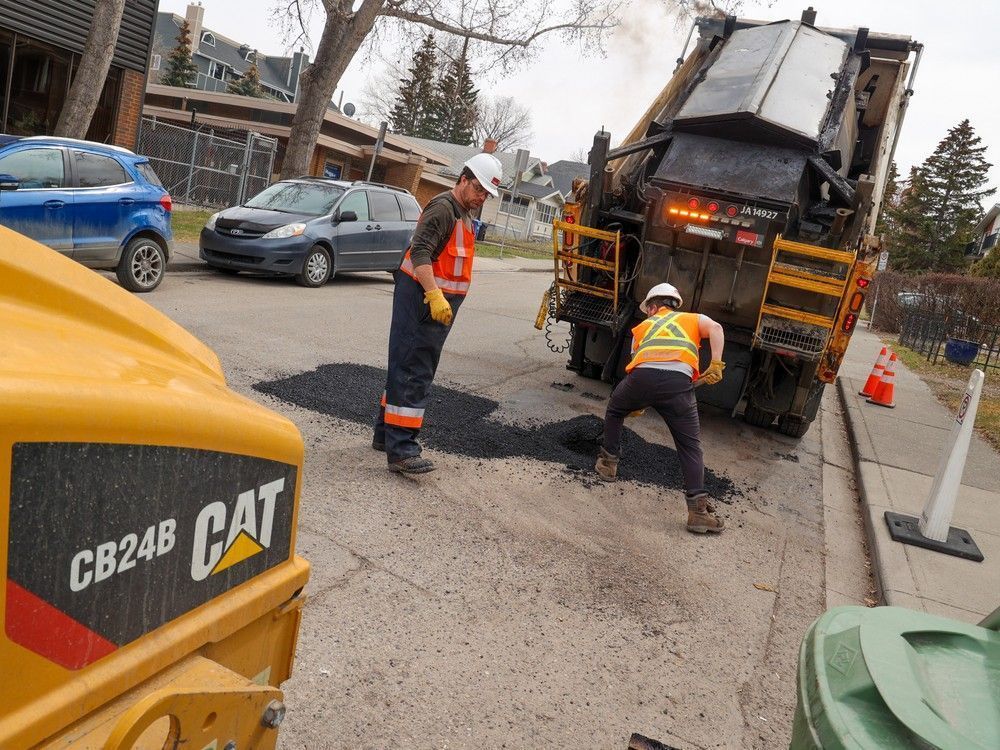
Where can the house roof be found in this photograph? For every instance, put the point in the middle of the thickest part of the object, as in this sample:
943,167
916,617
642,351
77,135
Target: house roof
534,190
458,155
273,70
563,173
988,218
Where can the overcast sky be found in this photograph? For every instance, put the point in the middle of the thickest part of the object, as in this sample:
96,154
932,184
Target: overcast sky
571,97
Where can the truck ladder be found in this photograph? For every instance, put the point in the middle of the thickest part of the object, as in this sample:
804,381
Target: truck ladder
801,331
577,301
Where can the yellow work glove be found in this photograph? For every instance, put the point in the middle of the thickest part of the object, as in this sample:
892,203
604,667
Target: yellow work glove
713,374
637,413
440,309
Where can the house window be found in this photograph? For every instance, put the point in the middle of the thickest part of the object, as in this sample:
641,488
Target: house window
217,71
545,214
519,207
208,39
155,65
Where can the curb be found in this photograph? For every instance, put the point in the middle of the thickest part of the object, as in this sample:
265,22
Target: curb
890,565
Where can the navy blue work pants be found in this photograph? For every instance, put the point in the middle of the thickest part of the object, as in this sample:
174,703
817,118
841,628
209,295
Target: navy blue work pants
415,343
671,395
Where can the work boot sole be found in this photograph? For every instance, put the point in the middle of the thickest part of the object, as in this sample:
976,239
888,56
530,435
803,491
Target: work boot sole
706,529
403,467
377,446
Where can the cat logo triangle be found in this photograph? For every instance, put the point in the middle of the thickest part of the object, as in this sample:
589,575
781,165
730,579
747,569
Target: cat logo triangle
243,546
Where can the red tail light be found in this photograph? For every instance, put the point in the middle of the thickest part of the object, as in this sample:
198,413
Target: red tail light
863,283
168,205
731,211
849,321
713,207
694,203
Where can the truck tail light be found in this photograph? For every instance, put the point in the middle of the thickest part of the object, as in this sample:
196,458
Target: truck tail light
863,283
850,320
168,205
694,203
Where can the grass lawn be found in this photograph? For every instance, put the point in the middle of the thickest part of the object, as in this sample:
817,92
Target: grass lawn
188,222
536,250
948,382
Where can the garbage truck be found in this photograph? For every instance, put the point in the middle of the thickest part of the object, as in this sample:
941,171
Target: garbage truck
752,184
152,593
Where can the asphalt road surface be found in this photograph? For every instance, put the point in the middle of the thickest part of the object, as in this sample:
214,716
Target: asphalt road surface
515,602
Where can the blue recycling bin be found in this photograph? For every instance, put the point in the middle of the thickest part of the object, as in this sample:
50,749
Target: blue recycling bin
960,351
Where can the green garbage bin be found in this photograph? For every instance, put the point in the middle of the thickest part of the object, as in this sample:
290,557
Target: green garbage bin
890,677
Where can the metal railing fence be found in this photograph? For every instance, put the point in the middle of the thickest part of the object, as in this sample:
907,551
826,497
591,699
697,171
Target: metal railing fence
928,333
202,168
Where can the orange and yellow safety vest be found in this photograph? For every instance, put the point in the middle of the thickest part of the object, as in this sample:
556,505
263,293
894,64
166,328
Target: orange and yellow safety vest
666,336
453,266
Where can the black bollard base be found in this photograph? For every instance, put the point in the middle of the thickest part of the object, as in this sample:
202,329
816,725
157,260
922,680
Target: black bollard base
905,529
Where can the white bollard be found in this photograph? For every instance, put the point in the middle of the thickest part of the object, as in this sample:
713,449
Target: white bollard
936,518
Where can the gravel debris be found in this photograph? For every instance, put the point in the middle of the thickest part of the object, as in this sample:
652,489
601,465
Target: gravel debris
461,423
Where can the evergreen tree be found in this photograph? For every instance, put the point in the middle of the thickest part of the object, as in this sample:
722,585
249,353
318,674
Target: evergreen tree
988,267
248,84
890,199
180,69
937,213
411,113
454,112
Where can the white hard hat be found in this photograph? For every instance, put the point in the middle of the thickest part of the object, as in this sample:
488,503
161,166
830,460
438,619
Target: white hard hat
661,290
487,170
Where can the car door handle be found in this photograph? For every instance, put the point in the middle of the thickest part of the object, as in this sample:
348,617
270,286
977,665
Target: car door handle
54,204
126,201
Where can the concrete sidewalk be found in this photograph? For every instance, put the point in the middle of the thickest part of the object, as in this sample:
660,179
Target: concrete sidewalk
184,258
897,452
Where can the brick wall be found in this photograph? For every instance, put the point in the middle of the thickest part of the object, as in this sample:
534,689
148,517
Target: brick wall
426,191
129,108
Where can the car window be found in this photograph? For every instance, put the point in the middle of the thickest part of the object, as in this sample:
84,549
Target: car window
94,170
411,209
384,206
309,198
148,173
356,202
35,168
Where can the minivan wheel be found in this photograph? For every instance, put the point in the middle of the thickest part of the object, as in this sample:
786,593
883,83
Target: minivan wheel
317,268
142,265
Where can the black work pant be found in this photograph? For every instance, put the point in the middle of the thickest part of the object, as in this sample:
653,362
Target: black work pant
415,343
671,395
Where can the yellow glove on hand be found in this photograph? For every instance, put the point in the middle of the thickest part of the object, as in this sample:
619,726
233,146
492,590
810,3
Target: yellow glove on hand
637,413
440,309
713,374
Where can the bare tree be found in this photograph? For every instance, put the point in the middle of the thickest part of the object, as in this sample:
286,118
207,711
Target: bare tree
88,82
505,121
504,29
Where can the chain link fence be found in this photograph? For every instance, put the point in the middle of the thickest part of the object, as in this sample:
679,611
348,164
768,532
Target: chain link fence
201,167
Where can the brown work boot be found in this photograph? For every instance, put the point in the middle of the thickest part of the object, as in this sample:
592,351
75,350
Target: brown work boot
701,515
607,465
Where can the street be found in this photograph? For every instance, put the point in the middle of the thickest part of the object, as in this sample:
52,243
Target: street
516,602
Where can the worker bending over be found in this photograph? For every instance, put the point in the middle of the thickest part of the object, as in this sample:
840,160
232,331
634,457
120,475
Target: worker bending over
661,375
430,285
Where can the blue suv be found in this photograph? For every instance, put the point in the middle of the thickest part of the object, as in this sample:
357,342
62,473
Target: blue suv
100,205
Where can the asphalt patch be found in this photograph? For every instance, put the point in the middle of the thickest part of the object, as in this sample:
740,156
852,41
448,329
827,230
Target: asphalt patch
463,424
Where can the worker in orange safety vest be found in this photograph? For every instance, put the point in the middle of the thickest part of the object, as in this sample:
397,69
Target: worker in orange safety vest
431,284
664,367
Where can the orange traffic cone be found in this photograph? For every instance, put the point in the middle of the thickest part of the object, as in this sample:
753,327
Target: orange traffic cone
876,375
884,394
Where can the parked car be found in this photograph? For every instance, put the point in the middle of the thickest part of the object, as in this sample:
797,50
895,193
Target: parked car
312,228
100,205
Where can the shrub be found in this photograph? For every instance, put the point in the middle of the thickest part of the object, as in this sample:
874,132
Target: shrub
959,298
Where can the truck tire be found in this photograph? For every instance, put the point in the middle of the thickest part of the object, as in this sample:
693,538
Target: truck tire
754,415
794,427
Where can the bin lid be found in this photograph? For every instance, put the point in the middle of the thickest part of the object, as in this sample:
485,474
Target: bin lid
940,678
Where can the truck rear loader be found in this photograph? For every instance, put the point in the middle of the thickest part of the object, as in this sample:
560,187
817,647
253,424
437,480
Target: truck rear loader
152,594
752,184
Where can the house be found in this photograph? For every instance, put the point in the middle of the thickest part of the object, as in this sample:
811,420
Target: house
40,46
221,60
986,233
527,212
343,149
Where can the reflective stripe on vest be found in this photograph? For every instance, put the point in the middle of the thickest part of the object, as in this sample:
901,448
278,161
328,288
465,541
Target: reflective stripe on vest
667,336
402,416
453,267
